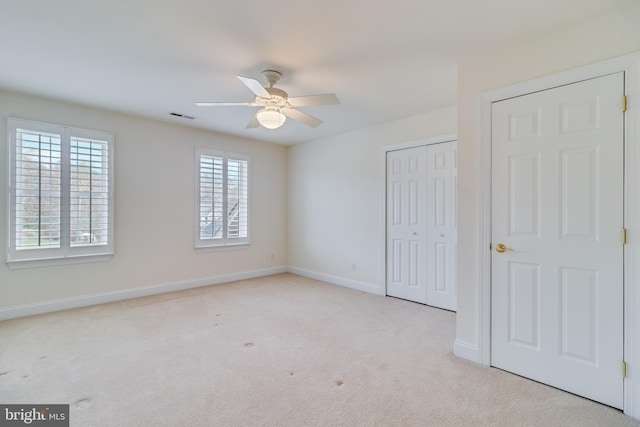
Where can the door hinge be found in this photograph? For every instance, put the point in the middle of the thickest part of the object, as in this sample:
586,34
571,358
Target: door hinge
623,236
624,369
624,103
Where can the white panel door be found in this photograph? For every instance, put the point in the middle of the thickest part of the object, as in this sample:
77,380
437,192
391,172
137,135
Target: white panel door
557,207
406,224
441,225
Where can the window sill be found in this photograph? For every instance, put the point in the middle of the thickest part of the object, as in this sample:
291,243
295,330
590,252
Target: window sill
218,248
50,262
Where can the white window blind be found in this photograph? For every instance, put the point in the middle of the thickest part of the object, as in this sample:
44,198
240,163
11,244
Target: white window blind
223,199
89,193
37,190
61,198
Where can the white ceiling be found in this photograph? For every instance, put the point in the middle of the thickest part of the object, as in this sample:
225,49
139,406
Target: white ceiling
384,59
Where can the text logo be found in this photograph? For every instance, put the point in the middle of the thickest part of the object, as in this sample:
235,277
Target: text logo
34,415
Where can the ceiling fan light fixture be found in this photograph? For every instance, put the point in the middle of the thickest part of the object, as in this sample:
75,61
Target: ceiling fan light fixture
271,118
275,104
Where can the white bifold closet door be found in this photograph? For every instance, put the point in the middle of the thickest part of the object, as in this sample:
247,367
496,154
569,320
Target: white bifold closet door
421,218
442,175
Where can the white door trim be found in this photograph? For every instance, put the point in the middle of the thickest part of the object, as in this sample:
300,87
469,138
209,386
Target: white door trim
630,64
383,191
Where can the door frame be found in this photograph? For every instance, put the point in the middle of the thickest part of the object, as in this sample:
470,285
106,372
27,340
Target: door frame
383,190
630,65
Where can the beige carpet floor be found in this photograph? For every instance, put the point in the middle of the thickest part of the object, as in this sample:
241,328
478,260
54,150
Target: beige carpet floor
276,351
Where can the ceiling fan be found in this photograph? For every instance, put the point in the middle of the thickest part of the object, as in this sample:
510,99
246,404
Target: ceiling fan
276,105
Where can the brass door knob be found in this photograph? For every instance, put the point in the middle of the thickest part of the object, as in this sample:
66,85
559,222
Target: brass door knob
501,248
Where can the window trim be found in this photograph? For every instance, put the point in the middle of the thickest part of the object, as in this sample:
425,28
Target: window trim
65,254
225,243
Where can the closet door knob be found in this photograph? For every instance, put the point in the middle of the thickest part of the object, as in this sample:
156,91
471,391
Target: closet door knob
500,248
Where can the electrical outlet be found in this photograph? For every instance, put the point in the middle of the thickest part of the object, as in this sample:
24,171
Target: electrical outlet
353,267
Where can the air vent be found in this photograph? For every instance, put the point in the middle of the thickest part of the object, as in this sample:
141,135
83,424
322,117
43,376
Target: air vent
182,115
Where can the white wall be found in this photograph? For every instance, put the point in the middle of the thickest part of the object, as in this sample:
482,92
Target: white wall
154,207
335,200
608,36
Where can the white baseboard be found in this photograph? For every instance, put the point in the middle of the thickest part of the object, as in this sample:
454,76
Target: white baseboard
335,280
87,300
106,297
466,350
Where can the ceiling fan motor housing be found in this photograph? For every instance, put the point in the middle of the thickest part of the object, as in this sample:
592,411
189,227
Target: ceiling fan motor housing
278,96
277,92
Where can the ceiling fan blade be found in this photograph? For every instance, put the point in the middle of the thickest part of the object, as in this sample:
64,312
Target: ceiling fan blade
255,86
303,101
253,123
224,104
302,117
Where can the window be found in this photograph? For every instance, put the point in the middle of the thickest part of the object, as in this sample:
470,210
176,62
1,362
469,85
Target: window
61,194
222,212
